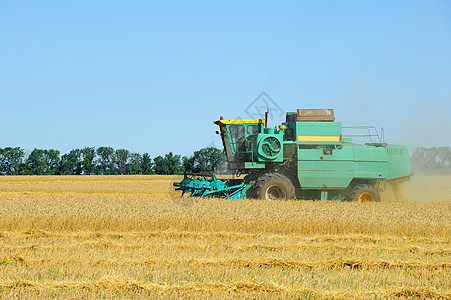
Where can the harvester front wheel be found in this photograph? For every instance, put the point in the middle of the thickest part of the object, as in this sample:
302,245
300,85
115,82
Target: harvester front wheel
273,186
364,193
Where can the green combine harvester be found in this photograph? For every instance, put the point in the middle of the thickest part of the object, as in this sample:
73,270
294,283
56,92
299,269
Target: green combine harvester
307,157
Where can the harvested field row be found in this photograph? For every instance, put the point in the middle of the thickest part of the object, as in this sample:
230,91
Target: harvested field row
235,235
119,284
269,247
257,262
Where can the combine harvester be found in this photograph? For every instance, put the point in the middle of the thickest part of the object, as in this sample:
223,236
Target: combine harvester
307,157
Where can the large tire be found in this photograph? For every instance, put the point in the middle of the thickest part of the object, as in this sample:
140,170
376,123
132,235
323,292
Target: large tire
364,193
273,186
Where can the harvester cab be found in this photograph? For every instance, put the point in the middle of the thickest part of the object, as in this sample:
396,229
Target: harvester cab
308,156
239,138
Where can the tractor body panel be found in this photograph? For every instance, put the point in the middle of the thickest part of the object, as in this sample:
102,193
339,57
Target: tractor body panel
317,170
370,162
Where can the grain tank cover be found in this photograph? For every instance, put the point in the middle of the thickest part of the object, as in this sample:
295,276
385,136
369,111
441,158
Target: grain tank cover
315,115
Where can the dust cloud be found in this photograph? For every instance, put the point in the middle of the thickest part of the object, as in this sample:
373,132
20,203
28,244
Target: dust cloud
422,188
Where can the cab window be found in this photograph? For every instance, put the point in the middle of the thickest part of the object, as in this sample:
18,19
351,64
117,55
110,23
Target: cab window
253,129
237,133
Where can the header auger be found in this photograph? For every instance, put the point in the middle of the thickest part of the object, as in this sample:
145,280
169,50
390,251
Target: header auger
307,157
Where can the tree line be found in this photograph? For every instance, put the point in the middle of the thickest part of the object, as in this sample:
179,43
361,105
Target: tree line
435,160
106,161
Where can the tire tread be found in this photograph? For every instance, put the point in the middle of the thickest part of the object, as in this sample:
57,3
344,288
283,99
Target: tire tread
264,179
353,195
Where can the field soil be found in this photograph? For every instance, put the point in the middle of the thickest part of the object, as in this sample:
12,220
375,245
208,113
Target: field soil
134,236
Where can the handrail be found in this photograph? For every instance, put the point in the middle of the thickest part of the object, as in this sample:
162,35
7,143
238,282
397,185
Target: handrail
372,132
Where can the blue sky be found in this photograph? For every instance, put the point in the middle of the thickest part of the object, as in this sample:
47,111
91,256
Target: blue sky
152,76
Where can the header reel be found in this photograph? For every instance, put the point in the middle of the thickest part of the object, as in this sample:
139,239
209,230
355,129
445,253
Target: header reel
202,185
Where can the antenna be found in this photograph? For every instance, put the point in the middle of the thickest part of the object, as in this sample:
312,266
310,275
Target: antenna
266,117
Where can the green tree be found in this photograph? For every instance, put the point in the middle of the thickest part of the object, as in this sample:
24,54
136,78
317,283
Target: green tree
169,165
207,160
52,158
88,164
11,160
42,162
146,164
121,160
174,163
106,160
71,163
160,166
188,164
134,167
35,163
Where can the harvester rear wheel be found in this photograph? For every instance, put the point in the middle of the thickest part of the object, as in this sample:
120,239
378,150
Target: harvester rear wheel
364,193
273,186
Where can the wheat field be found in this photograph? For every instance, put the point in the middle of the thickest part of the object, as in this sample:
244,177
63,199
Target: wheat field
134,237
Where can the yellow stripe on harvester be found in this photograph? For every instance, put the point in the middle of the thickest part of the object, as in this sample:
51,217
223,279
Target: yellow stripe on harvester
252,121
317,138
